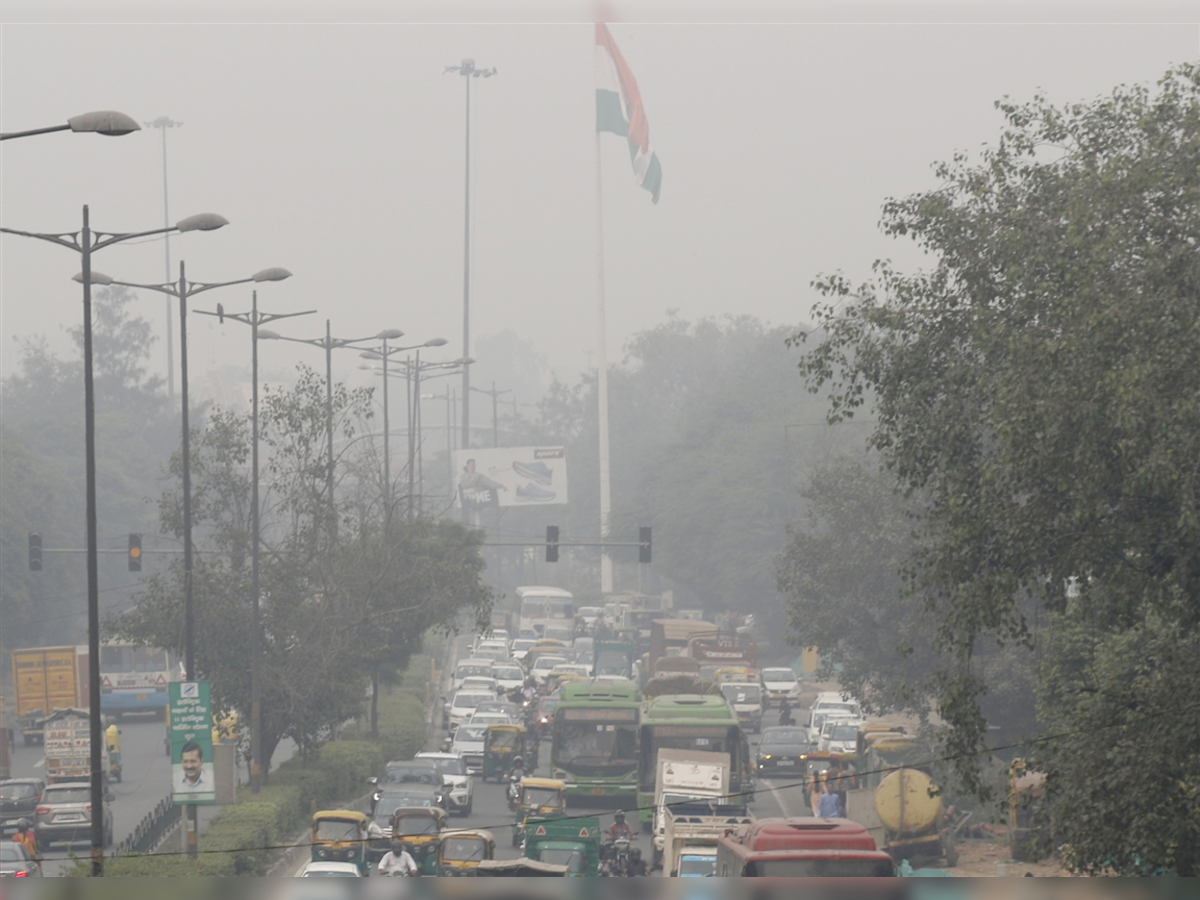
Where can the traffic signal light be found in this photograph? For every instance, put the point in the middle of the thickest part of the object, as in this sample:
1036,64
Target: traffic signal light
644,544
135,553
35,551
551,543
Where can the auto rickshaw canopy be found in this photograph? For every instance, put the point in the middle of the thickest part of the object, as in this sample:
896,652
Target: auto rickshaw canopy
339,825
504,738
467,845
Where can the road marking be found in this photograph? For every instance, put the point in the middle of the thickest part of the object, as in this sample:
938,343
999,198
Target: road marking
41,762
783,807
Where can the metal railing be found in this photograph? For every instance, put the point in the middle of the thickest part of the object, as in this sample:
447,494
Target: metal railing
151,829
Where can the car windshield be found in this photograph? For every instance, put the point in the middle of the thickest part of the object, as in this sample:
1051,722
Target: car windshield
508,673
17,791
415,825
546,663
470,701
523,644
470,734
775,736
327,873
412,775
740,693
465,670
81,794
572,859
451,766
463,849
337,830
779,675
697,866
387,805
842,732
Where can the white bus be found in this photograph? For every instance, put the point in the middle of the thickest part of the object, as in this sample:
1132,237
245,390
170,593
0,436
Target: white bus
542,606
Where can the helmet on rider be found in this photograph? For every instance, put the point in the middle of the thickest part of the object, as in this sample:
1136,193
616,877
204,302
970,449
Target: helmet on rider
518,761
635,854
619,816
24,824
398,847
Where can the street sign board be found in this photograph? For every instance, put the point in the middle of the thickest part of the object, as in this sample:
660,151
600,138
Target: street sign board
191,743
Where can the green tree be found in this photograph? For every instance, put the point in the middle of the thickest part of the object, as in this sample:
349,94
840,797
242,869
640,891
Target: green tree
1037,386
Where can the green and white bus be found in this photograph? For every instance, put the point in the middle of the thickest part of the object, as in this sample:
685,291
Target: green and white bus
595,740
689,722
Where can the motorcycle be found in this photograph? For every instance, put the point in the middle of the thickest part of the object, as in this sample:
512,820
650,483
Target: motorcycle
513,791
615,862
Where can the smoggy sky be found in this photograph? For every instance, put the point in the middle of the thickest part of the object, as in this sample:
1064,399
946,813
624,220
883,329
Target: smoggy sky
334,146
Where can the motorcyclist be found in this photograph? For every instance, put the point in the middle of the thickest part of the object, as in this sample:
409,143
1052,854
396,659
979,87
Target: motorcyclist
398,861
517,772
27,837
619,828
637,866
785,713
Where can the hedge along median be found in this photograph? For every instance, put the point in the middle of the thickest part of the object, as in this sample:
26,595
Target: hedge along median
241,839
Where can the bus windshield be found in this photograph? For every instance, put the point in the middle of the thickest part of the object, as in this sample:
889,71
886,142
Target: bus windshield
117,658
595,744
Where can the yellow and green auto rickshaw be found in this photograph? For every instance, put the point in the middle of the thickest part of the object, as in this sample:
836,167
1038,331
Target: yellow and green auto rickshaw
542,797
464,849
340,835
112,737
501,745
420,829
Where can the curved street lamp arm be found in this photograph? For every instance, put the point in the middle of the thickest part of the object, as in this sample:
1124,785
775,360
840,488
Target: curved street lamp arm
199,287
104,239
20,134
61,238
168,288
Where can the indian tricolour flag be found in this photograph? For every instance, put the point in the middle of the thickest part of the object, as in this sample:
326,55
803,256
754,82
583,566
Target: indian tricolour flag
619,110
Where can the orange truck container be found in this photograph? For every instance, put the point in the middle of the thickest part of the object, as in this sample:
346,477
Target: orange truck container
46,679
801,847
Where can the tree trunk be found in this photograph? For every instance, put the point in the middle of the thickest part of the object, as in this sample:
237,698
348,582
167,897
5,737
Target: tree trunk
375,703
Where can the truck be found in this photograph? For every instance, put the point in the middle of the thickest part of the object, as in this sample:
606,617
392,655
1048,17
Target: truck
670,637
67,739
46,679
682,777
691,833
801,847
722,649
573,842
612,658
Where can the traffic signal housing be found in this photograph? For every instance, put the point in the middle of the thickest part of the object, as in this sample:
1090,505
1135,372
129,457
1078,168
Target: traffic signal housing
35,551
644,544
135,553
551,543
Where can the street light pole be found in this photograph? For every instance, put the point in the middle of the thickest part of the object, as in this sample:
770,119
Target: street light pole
467,69
162,123
254,319
85,242
495,395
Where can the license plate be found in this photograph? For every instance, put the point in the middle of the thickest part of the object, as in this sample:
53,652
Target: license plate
598,791
141,698
786,762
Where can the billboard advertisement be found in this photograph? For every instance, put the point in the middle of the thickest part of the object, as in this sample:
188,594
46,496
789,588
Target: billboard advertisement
191,743
511,476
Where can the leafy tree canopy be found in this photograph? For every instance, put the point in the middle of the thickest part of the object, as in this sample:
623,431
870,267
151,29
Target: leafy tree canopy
1038,387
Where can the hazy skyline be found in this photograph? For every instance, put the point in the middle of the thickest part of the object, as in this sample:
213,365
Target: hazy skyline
336,151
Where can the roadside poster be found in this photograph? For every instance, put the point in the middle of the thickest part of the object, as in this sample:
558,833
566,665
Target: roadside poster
191,743
511,476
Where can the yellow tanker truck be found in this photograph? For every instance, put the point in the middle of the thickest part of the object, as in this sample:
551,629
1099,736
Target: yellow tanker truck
910,811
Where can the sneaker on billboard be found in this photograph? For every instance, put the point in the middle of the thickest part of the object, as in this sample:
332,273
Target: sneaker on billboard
538,471
532,493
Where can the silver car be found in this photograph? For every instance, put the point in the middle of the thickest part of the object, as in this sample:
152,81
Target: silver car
454,771
65,814
468,743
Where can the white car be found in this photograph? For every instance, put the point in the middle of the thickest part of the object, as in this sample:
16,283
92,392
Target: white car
839,735
468,743
520,647
509,676
572,669
780,684
454,772
468,667
589,614
497,652
480,683
492,717
543,665
499,634
462,706
330,870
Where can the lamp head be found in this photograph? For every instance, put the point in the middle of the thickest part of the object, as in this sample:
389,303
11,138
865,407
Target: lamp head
370,354
390,334
275,274
465,361
266,334
201,222
106,122
436,342
97,278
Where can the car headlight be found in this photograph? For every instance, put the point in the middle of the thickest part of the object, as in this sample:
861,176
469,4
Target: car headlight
768,756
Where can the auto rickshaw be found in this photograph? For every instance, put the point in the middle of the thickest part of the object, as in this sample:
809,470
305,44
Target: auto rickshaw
420,828
501,745
112,737
340,835
543,797
464,849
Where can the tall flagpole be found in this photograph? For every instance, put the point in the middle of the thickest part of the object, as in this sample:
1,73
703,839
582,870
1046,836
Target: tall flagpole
606,566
